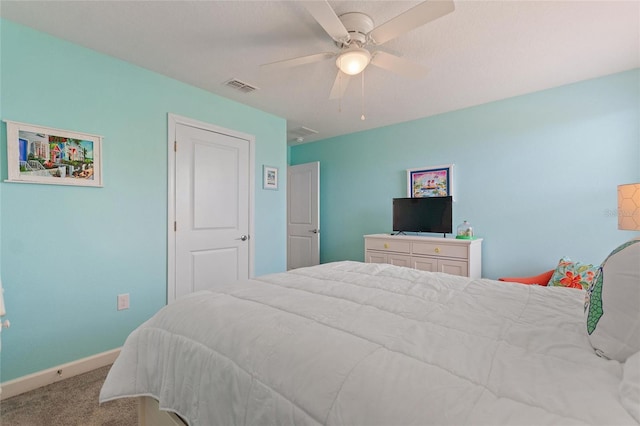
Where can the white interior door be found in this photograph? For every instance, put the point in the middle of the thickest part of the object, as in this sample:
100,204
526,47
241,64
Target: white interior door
303,215
212,205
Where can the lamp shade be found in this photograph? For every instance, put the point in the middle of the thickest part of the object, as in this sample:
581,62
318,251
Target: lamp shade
629,206
353,61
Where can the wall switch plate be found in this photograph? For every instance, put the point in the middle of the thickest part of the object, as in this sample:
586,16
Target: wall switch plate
123,301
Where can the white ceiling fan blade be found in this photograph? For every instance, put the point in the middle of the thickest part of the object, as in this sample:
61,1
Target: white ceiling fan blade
398,65
339,85
327,18
411,19
301,60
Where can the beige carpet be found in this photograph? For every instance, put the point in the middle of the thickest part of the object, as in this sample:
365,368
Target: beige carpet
69,402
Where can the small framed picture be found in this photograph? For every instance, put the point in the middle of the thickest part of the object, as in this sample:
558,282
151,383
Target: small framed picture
436,181
37,154
269,177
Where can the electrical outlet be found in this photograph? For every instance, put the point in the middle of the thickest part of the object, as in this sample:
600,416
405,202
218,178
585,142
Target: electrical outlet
123,301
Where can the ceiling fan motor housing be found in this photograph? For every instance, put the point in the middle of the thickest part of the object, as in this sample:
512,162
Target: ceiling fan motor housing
358,25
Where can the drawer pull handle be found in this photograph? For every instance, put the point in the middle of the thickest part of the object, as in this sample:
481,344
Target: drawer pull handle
386,245
437,250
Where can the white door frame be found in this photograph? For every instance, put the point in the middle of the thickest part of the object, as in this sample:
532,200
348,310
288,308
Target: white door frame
173,121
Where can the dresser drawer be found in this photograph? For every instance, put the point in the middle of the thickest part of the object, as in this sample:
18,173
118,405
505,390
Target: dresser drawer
388,245
444,250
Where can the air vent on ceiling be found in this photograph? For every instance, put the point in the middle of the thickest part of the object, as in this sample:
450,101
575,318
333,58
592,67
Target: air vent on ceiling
241,86
300,133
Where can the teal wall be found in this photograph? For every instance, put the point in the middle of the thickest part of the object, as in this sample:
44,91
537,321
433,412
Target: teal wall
536,175
68,251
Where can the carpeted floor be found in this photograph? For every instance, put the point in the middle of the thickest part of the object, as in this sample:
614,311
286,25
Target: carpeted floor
69,402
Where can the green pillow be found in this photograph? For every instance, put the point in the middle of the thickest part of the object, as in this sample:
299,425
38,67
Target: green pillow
612,309
573,274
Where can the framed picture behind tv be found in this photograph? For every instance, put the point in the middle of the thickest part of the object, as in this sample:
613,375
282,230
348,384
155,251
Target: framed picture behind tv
435,181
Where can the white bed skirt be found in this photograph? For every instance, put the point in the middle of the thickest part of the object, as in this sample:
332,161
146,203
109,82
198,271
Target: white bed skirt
149,414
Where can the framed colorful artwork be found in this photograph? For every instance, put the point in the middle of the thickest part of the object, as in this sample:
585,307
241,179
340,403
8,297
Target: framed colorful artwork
436,181
37,154
270,177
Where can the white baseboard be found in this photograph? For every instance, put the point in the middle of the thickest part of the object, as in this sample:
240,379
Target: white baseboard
55,374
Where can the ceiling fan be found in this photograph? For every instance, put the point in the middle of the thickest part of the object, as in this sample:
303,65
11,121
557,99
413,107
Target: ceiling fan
355,35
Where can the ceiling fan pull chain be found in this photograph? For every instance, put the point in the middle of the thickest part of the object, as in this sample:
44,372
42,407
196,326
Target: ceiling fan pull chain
340,90
362,117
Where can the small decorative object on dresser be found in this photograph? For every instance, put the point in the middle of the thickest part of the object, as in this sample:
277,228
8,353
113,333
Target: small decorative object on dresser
465,231
453,256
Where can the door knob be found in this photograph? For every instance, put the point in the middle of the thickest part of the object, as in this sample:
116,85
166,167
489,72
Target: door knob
315,231
244,237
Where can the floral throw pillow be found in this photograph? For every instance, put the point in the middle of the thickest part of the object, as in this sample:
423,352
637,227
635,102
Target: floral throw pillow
573,274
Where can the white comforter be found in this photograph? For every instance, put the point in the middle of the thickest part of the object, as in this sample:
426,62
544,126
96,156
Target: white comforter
367,344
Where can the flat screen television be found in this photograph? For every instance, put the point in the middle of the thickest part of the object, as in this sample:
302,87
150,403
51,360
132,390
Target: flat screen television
428,214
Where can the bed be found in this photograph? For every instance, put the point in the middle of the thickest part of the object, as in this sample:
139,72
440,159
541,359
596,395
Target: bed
354,343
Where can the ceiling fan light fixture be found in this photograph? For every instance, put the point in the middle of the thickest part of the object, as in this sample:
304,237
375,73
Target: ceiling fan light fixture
353,61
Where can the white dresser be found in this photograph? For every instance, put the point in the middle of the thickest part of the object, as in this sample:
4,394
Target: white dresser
450,255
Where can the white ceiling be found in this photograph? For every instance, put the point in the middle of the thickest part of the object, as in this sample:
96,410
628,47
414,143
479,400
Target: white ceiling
482,52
